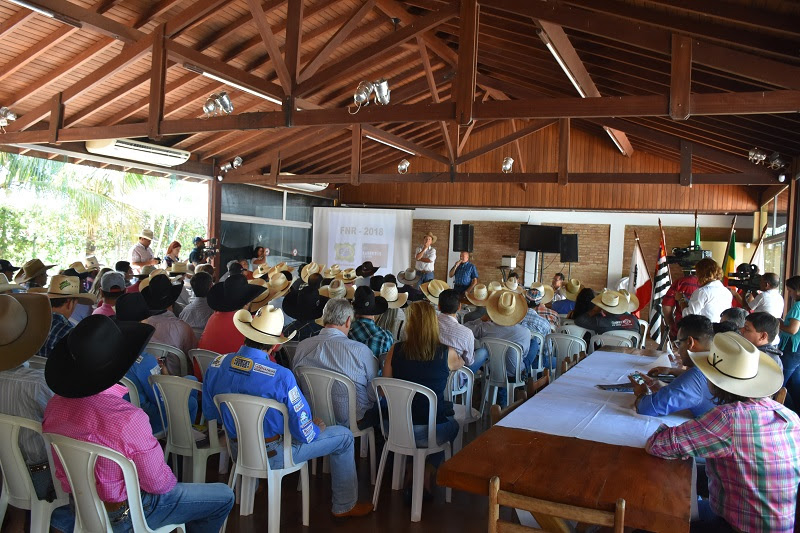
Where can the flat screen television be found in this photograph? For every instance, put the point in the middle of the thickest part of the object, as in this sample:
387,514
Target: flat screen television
545,239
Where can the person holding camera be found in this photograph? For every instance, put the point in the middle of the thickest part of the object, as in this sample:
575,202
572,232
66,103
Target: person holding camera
768,300
197,257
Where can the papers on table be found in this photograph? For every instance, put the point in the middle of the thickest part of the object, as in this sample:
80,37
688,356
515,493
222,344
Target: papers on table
572,406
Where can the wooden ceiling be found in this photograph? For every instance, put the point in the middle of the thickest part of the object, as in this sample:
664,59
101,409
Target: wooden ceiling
694,83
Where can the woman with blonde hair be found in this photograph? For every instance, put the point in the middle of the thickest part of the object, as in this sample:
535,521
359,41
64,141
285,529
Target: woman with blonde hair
422,359
712,297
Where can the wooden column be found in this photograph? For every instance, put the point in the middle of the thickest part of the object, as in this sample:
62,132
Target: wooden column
215,216
681,77
158,80
464,92
56,118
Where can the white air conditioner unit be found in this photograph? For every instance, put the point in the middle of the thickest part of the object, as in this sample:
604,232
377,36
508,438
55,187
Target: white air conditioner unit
138,151
305,187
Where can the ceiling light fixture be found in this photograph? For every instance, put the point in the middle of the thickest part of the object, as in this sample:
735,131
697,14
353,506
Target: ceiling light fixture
508,165
235,163
366,88
775,161
198,70
370,137
546,40
782,177
218,104
614,138
47,13
6,116
402,167
757,156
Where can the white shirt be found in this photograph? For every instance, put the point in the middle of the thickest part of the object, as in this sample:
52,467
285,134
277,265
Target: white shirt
140,254
710,300
559,295
770,302
430,253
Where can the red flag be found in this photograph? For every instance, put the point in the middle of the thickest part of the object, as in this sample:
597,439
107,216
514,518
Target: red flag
639,282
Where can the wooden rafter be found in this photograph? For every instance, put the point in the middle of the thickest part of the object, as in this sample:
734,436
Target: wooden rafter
158,80
450,146
271,44
294,36
464,90
519,134
680,77
355,156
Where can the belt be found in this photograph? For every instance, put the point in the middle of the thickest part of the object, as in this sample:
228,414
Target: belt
274,438
115,506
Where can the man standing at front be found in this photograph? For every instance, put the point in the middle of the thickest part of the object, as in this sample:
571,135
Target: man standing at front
141,253
464,274
425,257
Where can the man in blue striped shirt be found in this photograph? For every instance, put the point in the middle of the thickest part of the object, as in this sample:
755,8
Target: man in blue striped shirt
464,274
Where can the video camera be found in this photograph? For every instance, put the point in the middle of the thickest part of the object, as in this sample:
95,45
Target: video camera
745,278
210,249
687,257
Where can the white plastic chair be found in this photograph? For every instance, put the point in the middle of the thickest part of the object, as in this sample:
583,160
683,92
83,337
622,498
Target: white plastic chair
566,321
608,339
575,331
203,358
78,459
252,462
400,440
18,489
159,350
461,395
496,373
319,387
534,371
133,392
175,392
290,348
37,362
563,346
644,326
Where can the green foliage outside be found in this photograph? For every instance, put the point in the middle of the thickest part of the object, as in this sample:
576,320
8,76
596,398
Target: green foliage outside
60,212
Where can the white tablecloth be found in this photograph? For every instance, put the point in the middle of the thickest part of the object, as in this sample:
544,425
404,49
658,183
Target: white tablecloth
572,405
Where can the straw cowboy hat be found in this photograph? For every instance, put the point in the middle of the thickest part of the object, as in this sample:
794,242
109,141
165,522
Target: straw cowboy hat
506,308
280,267
479,295
389,293
366,269
366,303
265,297
68,287
305,304
266,326
545,293
24,326
31,269
261,270
146,234
432,236
433,289
408,277
614,302
735,365
633,301
91,263
337,289
5,285
513,285
179,268
76,269
279,284
348,275
232,294
332,272
160,293
95,355
494,286
149,279
311,268
572,288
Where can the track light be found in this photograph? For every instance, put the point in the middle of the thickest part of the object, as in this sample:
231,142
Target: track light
235,163
508,163
757,156
366,88
47,13
775,161
6,116
218,104
402,167
229,83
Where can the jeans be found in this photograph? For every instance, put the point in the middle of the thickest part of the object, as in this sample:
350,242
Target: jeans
445,432
791,376
708,521
203,507
424,276
481,355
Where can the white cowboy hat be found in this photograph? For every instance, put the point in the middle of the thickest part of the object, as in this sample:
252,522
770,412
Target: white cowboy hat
614,302
279,284
331,272
266,326
265,297
633,301
348,275
311,268
433,289
546,292
78,267
280,267
506,308
572,288
179,268
261,270
494,286
389,293
408,277
146,234
735,365
479,295
5,285
68,287
337,289
91,263
513,285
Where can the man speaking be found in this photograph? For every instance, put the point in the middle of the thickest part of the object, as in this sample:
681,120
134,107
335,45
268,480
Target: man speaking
464,274
425,258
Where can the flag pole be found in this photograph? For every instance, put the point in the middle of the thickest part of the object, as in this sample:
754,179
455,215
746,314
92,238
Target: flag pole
665,334
759,243
636,238
664,240
728,246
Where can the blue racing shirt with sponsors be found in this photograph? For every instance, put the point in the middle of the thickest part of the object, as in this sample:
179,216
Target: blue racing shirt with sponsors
249,371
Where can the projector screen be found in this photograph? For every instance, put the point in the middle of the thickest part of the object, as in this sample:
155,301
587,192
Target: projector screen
350,236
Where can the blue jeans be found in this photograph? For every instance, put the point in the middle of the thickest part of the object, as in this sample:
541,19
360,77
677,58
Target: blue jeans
424,276
203,507
709,522
445,432
481,355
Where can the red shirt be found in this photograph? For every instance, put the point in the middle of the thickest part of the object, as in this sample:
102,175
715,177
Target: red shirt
687,285
221,335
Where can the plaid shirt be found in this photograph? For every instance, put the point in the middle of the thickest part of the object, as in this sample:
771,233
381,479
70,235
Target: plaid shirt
58,329
366,331
465,273
550,315
753,461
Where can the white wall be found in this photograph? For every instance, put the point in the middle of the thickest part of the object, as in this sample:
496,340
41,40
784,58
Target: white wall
617,221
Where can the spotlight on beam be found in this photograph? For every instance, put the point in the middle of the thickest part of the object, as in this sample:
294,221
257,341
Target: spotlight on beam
402,167
364,91
508,165
218,104
235,163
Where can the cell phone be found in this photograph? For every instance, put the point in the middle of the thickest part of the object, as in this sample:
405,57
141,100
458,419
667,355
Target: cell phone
637,378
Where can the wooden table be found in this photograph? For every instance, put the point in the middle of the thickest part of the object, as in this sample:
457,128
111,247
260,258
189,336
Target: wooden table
657,492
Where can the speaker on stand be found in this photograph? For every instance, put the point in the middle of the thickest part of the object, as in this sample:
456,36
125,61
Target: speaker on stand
569,250
463,237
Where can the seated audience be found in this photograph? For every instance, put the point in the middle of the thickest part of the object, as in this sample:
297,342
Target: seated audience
7,269
311,274
790,342
768,300
423,359
365,271
32,274
761,328
570,290
455,335
478,297
750,442
541,295
89,407
536,323
310,438
689,390
394,317
197,313
160,294
583,303
725,325
367,307
611,312
337,289
332,350
557,284
64,293
711,297
670,309
305,306
112,286
409,279
736,315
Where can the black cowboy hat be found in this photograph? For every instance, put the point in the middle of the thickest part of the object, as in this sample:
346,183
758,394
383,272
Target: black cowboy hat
305,304
160,293
232,294
376,282
366,269
95,355
132,306
73,272
366,303
6,266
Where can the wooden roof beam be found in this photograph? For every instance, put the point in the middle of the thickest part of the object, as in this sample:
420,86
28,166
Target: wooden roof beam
452,147
355,156
519,134
744,15
680,77
292,52
271,44
464,90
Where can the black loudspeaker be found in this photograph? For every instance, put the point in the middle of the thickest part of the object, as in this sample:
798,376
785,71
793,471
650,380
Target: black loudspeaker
463,236
569,248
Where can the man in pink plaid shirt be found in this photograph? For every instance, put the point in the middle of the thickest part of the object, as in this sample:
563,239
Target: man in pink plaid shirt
751,443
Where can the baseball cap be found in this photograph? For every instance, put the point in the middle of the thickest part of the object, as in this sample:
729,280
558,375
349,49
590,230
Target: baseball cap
112,282
199,239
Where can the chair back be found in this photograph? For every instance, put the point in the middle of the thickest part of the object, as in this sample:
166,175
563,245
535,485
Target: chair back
159,350
780,396
248,414
607,339
79,459
575,331
496,365
497,413
17,484
459,387
565,366
644,326
533,386
539,361
203,358
399,394
319,384
37,362
175,391
289,348
133,391
564,346
554,513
